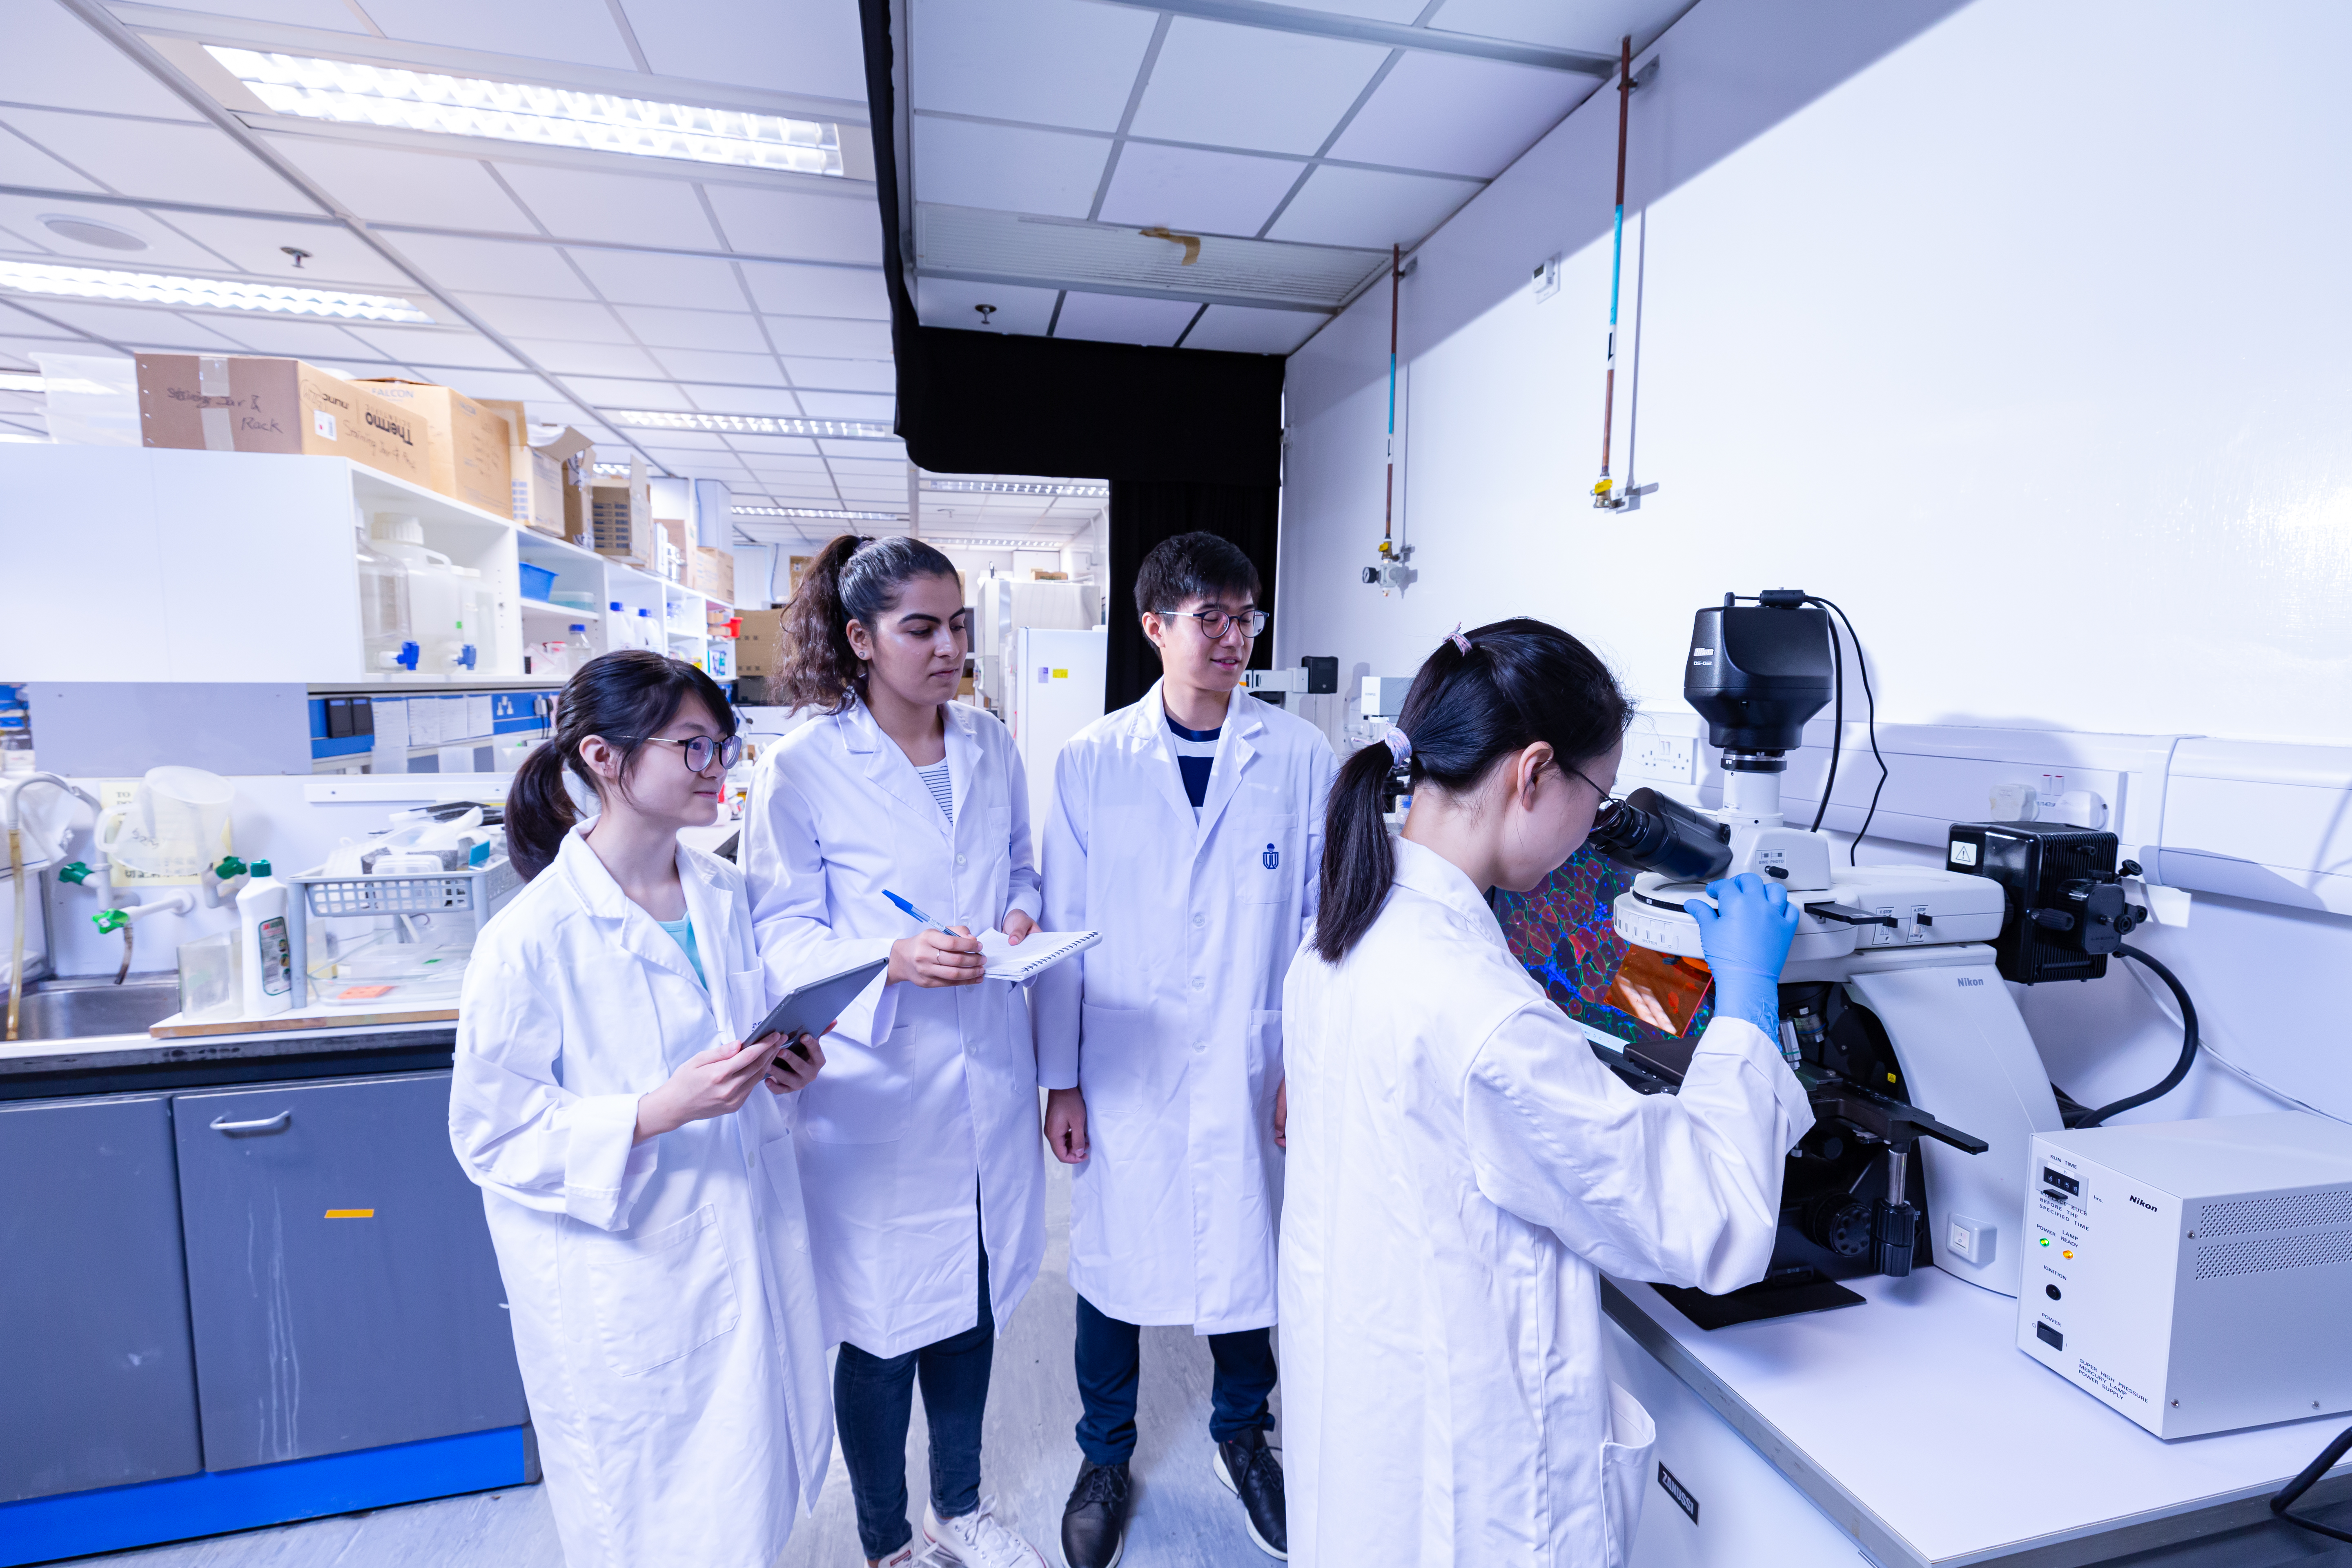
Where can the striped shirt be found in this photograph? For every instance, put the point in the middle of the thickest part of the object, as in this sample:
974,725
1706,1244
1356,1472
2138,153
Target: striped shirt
935,779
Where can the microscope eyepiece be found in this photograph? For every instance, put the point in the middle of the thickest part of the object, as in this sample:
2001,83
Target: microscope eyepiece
1650,832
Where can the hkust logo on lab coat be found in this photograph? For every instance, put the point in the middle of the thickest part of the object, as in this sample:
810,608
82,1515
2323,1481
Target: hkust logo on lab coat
1273,857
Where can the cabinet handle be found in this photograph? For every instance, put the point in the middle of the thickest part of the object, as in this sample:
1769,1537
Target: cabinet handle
277,1123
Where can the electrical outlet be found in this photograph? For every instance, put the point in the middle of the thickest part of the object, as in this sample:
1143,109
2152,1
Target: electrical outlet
1666,759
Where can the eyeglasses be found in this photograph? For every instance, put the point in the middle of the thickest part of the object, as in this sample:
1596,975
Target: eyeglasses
1603,797
701,749
1214,624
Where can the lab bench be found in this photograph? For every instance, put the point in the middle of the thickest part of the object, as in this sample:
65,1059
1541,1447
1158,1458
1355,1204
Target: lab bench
246,1283
1910,1432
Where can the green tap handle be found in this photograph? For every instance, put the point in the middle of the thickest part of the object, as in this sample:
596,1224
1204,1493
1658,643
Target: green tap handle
230,867
109,920
76,873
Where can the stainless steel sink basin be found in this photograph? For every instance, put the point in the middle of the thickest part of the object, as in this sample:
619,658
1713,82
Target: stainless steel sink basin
77,1009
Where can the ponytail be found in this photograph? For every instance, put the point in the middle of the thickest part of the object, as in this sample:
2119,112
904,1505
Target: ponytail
1482,696
852,579
622,697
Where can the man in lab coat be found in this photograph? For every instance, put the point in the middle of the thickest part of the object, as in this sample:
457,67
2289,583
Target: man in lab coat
1187,829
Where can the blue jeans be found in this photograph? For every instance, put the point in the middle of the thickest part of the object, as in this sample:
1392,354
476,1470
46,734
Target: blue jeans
873,1400
1108,1358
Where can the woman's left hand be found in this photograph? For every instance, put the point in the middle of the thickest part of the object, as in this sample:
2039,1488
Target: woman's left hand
1016,926
788,1072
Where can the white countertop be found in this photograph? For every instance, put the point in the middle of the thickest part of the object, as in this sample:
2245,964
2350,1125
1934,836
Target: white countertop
1917,1424
126,1050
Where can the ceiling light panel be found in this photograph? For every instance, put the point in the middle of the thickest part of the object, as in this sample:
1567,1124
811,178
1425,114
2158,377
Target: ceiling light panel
748,425
202,293
1017,487
984,246
351,92
818,511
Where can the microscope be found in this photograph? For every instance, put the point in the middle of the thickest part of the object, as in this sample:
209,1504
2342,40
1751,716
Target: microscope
1891,998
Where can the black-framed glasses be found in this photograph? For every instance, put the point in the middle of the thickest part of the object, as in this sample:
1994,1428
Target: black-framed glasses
701,749
1216,624
1604,797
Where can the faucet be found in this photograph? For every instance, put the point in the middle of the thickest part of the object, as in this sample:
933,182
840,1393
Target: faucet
12,792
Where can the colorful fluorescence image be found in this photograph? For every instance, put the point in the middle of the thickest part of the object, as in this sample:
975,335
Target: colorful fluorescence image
1561,931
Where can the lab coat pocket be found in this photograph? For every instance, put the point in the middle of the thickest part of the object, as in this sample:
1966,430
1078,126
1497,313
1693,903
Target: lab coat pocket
747,1004
1624,1466
1266,867
660,1296
1116,1061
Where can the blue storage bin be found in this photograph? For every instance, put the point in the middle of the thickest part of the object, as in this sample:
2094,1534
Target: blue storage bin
538,581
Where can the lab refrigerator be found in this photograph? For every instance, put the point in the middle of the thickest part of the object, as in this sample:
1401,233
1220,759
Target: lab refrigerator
1057,685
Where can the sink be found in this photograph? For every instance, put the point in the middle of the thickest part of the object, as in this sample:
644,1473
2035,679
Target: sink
78,1009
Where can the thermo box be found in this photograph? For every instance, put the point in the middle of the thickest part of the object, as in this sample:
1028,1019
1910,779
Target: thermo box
2194,1275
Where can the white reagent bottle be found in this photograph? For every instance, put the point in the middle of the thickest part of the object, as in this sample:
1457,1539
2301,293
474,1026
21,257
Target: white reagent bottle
267,961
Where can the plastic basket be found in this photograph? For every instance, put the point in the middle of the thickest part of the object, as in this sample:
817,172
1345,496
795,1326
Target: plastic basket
480,891
538,581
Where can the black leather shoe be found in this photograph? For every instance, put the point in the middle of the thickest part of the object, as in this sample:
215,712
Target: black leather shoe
1252,1472
1093,1522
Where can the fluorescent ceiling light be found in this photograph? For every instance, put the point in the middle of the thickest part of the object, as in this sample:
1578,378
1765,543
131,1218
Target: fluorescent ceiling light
749,425
1016,488
202,293
352,93
818,511
34,381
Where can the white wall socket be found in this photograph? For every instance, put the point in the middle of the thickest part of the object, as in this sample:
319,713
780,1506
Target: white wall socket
1664,759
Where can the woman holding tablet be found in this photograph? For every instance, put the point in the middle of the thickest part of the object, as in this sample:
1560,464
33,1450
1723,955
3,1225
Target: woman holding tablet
920,1148
640,1185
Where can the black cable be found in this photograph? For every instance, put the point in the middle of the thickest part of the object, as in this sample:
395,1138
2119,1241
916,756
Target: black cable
2302,1483
1837,730
2188,1046
1862,664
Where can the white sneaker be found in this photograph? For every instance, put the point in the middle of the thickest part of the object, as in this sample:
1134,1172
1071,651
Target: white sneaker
917,1555
978,1541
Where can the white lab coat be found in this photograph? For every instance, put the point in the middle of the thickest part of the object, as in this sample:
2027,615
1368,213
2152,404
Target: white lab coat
1172,1025
662,1295
929,1094
1461,1171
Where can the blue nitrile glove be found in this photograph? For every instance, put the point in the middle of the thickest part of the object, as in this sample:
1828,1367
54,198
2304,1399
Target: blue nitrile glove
1746,938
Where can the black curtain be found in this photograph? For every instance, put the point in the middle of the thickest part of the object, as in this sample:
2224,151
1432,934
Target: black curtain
1145,512
1188,437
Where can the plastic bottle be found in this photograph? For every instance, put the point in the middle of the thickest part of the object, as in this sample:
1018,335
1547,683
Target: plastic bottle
649,634
387,629
437,605
15,730
266,964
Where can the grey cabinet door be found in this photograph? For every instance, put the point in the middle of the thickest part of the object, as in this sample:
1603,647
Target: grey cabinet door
339,1272
96,1380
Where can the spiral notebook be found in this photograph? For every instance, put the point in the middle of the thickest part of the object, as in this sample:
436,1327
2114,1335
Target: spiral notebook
1038,951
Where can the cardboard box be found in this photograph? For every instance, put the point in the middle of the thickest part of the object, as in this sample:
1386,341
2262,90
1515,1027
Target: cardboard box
535,474
622,515
466,447
674,529
759,642
243,402
711,572
575,456
797,566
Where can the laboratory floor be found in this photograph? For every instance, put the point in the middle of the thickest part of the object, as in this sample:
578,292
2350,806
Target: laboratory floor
1184,1517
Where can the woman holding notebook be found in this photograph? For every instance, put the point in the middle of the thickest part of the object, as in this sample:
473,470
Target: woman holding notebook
918,1148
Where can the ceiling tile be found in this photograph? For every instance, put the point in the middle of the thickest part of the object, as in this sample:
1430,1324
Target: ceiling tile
1183,188
776,402
580,204
512,385
695,443
657,394
1050,62
1459,116
384,184
1368,208
253,244
1117,319
895,450
951,302
591,359
862,467
136,327
145,158
21,163
1399,11
815,336
642,277
165,247
843,375
490,265
18,352
1248,87
849,405
770,455
659,329
417,346
793,227
1594,26
312,340
718,365
332,15
789,46
1010,168
579,30
789,290
16,319
53,57
571,321
1241,329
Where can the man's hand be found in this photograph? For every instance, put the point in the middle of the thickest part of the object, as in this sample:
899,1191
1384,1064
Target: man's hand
713,1083
934,958
788,1071
1016,926
1282,1114
1065,1124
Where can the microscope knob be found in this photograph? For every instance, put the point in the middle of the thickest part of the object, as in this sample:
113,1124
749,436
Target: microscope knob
2130,868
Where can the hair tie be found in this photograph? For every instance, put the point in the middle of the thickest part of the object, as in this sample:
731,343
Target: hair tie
1458,640
1399,745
